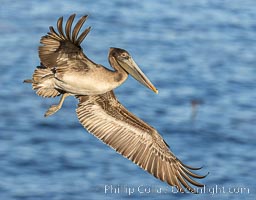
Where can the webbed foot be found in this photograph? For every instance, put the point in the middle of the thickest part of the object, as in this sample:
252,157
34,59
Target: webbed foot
53,109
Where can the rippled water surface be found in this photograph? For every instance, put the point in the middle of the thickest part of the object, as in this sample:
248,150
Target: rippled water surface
193,51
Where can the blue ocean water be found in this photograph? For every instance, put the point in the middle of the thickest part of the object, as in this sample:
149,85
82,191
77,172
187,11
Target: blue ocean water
193,51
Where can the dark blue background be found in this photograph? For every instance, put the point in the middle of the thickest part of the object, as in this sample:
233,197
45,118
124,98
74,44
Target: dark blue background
191,50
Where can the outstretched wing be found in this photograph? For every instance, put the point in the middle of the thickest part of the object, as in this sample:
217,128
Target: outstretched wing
108,120
61,50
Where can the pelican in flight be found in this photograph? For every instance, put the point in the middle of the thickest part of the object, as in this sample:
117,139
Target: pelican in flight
65,70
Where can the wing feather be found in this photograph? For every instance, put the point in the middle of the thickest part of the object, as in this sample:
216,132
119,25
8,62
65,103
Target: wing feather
77,28
82,36
68,26
61,50
108,120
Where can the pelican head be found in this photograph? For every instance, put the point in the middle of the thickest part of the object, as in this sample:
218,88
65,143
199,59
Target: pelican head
125,61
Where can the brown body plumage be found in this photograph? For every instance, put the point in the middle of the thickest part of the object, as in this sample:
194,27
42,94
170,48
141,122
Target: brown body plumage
66,70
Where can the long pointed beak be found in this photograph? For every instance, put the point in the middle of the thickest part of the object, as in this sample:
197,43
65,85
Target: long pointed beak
132,68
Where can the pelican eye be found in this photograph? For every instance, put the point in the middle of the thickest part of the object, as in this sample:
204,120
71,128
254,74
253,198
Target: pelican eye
124,55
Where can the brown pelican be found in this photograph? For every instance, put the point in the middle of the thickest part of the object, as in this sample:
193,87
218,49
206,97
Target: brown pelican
65,70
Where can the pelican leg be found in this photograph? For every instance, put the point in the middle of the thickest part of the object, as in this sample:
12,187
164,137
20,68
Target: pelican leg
54,108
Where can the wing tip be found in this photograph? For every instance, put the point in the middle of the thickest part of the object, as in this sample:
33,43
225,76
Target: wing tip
52,42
